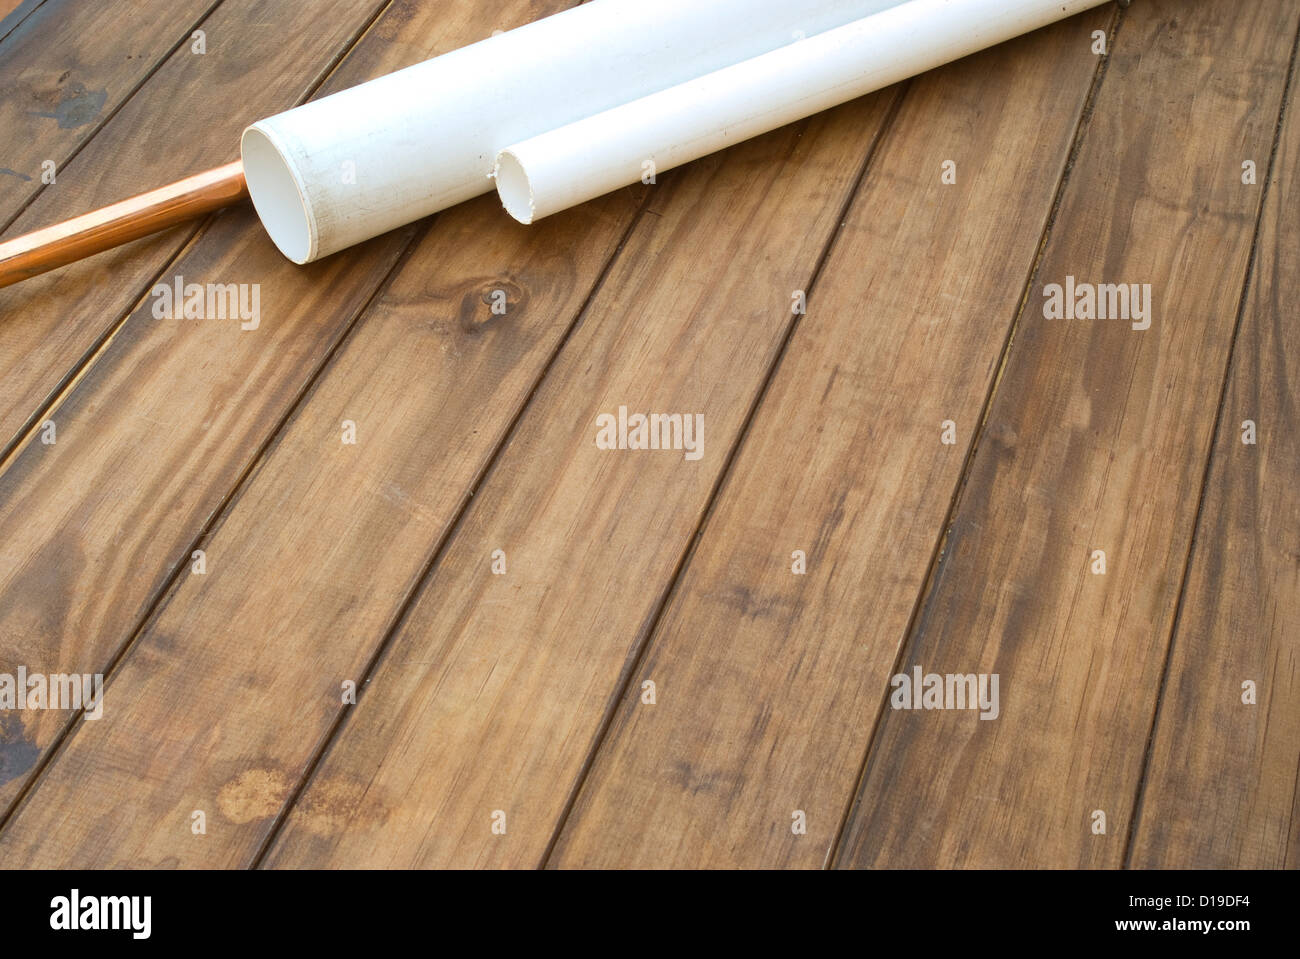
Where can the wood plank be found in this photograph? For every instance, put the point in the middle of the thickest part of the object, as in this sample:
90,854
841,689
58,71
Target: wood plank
1221,781
153,439
66,68
260,58
495,685
768,682
7,7
14,12
1096,440
432,379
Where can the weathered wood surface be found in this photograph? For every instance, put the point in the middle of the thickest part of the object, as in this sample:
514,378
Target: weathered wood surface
65,69
768,680
1097,439
1221,786
259,58
431,379
505,690
495,686
14,12
161,428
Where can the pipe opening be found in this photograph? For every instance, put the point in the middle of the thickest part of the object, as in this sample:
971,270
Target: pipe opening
277,196
513,187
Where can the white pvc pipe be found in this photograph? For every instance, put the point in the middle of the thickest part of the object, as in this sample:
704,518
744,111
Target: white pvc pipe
592,156
350,166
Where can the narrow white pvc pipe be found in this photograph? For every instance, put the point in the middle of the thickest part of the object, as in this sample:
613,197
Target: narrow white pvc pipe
592,156
350,166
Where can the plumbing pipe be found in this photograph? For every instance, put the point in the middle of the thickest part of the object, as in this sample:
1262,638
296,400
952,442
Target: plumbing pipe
347,167
42,250
568,165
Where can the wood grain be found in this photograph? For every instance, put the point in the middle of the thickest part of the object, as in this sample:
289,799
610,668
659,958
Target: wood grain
769,682
260,58
432,378
1096,439
1221,783
63,72
156,435
495,685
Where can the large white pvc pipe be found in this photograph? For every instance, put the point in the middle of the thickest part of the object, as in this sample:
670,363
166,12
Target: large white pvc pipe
350,166
592,156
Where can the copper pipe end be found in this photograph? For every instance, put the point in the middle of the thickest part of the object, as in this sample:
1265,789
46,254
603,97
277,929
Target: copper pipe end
82,236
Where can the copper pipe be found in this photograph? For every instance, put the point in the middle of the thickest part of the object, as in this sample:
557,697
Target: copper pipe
82,236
